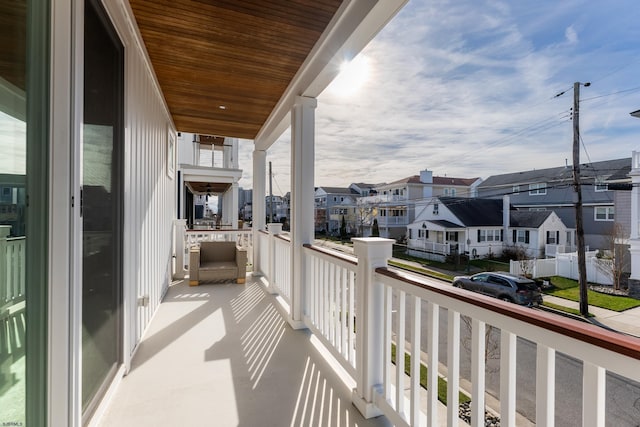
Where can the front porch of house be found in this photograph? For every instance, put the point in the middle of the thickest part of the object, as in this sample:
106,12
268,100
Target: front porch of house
221,354
236,355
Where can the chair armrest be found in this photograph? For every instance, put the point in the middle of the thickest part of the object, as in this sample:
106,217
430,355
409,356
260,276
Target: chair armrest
241,262
194,264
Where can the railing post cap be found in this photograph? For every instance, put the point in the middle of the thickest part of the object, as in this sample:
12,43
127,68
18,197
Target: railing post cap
367,245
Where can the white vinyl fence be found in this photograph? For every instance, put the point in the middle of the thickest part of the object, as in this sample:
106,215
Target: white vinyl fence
566,265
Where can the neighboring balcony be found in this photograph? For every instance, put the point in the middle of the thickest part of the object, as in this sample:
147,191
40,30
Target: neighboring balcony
393,221
225,354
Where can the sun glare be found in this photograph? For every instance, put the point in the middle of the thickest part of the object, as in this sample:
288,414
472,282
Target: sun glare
352,76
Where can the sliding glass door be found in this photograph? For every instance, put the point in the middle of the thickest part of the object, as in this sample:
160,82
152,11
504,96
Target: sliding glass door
101,205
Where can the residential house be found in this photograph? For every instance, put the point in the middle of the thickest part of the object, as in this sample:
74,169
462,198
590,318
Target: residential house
553,189
396,201
482,228
331,204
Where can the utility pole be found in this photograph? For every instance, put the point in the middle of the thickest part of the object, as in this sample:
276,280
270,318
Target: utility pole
270,195
582,266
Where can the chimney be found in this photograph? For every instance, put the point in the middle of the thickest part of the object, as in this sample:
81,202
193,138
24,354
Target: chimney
426,176
506,206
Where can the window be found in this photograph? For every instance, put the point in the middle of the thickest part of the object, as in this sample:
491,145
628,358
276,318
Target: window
435,208
538,189
446,191
515,189
453,192
553,237
452,236
423,234
600,185
605,213
521,236
489,235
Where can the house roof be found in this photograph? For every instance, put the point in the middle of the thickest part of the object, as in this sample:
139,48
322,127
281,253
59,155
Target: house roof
475,212
445,180
234,68
603,169
339,190
437,180
446,224
528,219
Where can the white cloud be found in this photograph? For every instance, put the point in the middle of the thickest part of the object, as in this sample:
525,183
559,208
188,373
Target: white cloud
571,35
466,88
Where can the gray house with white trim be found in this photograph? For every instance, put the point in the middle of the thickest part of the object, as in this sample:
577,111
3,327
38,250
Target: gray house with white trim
552,189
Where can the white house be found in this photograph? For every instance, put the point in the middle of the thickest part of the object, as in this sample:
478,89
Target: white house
481,228
396,201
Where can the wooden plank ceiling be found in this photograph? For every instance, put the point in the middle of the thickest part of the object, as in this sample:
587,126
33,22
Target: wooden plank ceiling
224,64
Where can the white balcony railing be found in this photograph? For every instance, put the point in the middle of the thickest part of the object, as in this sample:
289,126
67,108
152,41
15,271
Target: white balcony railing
282,267
330,309
428,246
359,309
385,221
12,270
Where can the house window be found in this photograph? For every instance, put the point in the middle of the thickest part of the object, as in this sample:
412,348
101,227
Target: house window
453,192
452,236
600,185
538,189
489,235
515,189
435,208
521,236
335,199
423,234
605,213
446,191
553,237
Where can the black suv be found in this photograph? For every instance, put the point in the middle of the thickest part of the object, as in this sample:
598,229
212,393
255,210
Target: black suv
504,286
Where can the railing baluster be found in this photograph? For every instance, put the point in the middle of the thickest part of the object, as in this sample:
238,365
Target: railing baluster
352,317
545,385
507,379
477,372
400,349
344,316
593,395
433,311
388,339
416,323
453,367
331,283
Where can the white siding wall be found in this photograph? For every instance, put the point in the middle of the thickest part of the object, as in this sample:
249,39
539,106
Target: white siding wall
149,194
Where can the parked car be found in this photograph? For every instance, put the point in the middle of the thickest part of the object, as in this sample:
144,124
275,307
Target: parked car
504,286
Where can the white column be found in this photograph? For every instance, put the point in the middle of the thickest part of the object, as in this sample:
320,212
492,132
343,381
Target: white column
634,241
258,204
302,197
196,149
233,206
179,231
372,252
230,153
275,228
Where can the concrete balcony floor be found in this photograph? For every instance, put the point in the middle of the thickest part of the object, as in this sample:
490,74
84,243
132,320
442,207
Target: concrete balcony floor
222,355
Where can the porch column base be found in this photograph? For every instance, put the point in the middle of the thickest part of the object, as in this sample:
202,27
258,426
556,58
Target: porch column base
296,324
367,409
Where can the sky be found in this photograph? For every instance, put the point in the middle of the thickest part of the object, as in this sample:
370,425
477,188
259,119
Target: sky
467,88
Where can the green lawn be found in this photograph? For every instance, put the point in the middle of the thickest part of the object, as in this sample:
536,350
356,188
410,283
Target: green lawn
422,271
442,384
563,308
490,265
569,289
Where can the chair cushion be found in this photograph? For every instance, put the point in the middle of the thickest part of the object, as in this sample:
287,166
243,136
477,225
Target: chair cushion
218,266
